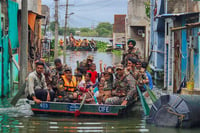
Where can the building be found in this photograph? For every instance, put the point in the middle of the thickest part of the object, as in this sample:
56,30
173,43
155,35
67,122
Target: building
46,13
9,46
34,26
10,26
180,49
119,31
138,26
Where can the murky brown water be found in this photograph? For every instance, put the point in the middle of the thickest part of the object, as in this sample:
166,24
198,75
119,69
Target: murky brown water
21,119
108,58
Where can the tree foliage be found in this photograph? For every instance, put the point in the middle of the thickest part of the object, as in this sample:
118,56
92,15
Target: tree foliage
104,29
147,8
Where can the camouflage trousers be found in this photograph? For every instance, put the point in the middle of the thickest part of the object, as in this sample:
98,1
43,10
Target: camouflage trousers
67,96
116,100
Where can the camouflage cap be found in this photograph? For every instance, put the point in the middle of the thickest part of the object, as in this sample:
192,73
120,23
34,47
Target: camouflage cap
90,57
68,69
119,66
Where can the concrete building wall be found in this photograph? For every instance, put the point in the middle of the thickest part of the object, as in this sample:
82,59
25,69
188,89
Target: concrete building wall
180,6
138,26
136,13
36,9
46,13
118,38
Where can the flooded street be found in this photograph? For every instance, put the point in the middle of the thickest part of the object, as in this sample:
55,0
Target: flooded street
108,58
21,119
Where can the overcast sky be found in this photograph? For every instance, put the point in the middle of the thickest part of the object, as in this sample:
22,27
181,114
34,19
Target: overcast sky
88,13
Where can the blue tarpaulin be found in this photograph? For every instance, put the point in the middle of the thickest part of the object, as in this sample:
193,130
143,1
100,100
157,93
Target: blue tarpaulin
13,29
5,66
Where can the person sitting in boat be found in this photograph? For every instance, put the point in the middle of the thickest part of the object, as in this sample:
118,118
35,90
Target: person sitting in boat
138,64
85,64
144,68
123,91
36,88
70,86
56,71
131,52
111,71
93,72
100,95
142,79
89,88
108,84
46,73
92,43
72,40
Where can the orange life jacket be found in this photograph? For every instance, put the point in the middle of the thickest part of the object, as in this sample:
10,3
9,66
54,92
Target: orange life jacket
69,86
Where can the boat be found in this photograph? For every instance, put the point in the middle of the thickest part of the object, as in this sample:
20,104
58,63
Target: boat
81,48
71,108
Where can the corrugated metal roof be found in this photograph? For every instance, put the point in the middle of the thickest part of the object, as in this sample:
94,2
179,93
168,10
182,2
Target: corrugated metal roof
176,15
119,24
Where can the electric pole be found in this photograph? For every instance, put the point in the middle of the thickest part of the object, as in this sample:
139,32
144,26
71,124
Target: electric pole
65,34
56,30
24,43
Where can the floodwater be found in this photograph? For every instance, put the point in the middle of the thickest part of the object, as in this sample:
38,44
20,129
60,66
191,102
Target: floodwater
20,119
108,59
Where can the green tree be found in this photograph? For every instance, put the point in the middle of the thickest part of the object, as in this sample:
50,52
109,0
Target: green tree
71,30
84,29
52,26
104,29
61,31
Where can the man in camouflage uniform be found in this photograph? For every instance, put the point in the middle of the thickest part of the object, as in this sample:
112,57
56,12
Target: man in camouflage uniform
124,90
85,64
56,72
131,52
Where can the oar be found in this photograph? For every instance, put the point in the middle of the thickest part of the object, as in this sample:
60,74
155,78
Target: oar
77,112
151,94
143,102
18,95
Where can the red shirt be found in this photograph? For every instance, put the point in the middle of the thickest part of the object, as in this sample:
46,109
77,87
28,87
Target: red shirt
93,76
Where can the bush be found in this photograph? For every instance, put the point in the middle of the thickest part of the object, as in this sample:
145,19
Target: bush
101,46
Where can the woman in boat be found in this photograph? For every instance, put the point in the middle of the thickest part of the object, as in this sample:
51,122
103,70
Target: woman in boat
89,88
100,96
108,84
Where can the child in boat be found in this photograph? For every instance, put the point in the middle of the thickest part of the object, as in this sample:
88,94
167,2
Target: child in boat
100,96
93,72
108,84
86,89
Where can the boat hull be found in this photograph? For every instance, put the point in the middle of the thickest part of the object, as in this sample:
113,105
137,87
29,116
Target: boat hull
70,108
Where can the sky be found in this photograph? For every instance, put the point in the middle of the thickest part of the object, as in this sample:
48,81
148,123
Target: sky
87,13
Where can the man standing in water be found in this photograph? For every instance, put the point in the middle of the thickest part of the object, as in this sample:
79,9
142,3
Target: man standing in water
36,88
131,52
